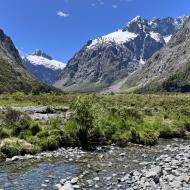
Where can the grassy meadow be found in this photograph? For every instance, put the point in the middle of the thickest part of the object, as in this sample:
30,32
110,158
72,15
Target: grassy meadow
96,120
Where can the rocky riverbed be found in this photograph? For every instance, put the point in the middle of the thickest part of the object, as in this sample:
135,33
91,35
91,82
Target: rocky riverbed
164,166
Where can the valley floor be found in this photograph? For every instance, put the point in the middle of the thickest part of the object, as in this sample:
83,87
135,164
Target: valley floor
41,128
30,124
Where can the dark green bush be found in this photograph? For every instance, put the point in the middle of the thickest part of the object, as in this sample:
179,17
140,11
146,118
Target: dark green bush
5,132
2,157
121,138
35,128
12,117
13,146
48,143
83,119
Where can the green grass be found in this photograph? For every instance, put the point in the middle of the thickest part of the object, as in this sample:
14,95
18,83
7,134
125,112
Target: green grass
96,120
51,99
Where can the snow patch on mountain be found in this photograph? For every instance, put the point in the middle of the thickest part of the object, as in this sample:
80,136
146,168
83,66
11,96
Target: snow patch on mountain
118,37
48,63
167,38
156,36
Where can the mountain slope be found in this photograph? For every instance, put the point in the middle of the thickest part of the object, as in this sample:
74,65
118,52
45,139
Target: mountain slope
111,58
168,69
13,75
43,67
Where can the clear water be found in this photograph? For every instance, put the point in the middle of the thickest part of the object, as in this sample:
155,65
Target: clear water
30,175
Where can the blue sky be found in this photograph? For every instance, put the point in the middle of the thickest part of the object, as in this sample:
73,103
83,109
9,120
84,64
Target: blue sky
62,27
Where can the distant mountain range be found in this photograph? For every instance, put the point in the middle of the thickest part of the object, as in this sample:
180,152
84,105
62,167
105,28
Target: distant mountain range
107,60
13,75
43,67
145,56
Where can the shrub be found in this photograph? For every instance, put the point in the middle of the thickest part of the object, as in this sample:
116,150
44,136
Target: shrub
13,146
12,116
55,123
83,119
135,136
43,134
48,143
97,136
2,157
70,134
172,131
148,137
35,128
22,127
121,138
5,132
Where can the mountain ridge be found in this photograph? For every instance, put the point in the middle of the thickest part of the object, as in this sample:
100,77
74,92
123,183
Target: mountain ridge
111,58
43,66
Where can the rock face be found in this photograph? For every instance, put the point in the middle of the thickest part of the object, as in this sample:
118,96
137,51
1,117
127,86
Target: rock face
110,58
8,51
43,67
168,69
13,75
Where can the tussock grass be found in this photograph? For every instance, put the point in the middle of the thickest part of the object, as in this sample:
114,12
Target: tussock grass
96,120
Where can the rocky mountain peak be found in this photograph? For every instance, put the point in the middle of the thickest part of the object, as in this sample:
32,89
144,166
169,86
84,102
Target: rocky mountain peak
169,68
40,53
179,21
43,67
137,19
164,26
8,50
136,25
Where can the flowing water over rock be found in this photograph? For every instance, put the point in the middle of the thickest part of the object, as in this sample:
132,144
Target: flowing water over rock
106,168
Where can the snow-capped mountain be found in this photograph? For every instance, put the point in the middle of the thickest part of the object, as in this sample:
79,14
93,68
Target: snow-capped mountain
110,58
168,69
43,67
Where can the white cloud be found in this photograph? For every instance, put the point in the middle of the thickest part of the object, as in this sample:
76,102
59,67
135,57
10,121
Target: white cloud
62,14
115,6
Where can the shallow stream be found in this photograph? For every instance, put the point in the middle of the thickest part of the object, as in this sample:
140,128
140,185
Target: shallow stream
96,168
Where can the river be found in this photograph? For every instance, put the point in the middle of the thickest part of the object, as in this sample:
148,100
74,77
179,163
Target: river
101,169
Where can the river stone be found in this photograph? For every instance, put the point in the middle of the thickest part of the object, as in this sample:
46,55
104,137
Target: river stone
175,184
58,186
122,154
108,178
184,178
74,180
154,173
76,186
63,181
90,182
15,158
67,186
96,179
43,185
